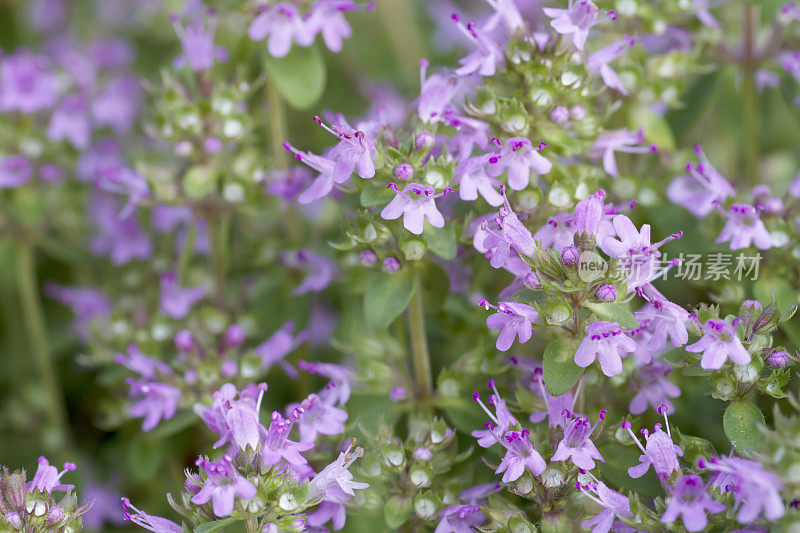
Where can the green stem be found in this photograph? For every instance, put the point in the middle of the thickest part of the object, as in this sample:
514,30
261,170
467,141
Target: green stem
217,237
37,332
251,525
419,341
400,25
188,250
277,126
749,95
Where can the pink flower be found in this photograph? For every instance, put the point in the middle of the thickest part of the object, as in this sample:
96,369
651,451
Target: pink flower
416,204
579,17
607,343
718,344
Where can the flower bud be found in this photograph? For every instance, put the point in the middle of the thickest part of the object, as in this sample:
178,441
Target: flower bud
228,369
425,506
184,340
269,528
424,141
398,394
55,516
606,293
570,256
532,281
422,454
577,112
420,475
14,520
212,145
414,249
234,335
559,114
193,484
368,258
777,359
404,171
391,265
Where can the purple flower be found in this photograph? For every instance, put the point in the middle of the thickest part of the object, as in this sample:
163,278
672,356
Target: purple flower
598,62
436,93
606,342
460,519
319,270
579,17
341,377
47,477
103,154
613,504
70,121
283,24
336,475
153,401
15,171
701,188
175,301
652,388
485,58
520,454
520,158
26,83
577,444
473,180
318,416
145,366
503,419
353,153
332,508
322,184
719,343
754,489
659,451
665,319
149,522
327,17
744,228
277,446
125,182
620,141
471,132
416,204
589,213
223,486
513,234
280,344
689,500
117,104
233,416
514,320
197,39
121,238
103,511
86,303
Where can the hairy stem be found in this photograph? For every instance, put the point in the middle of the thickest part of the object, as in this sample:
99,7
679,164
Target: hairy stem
217,230
749,94
36,327
277,126
419,341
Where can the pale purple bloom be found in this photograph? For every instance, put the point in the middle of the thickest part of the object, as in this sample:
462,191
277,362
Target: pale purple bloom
48,478
520,158
436,93
514,319
598,62
197,39
503,419
613,504
153,401
703,15
659,451
416,204
353,153
283,24
653,388
619,141
104,510
26,83
233,415
557,233
754,489
665,319
223,486
322,184
46,15
122,238
485,58
579,17
147,367
341,377
126,182
520,454
589,212
278,447
319,270
275,349
701,188
689,500
556,406
102,155
471,133
577,444
318,416
718,344
744,227
117,104
156,524
327,17
513,235
337,475
87,304
176,301
70,121
332,508
15,171
473,180
460,519
607,343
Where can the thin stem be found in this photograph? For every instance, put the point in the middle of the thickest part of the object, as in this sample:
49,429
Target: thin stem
218,240
419,340
749,94
37,332
277,126
188,249
400,25
251,525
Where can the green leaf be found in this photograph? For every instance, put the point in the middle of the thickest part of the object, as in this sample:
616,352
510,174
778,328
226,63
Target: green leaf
656,128
216,525
374,196
387,296
441,241
558,366
174,425
299,77
702,94
741,423
614,313
397,511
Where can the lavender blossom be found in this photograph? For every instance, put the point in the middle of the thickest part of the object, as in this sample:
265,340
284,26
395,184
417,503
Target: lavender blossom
744,227
519,158
689,500
47,477
576,21
280,344
755,490
653,389
149,522
70,121
154,402
701,189
337,475
718,344
416,204
320,270
473,179
176,301
485,58
233,416
460,519
278,447
607,343
613,505
659,451
502,419
514,319
327,18
197,39
577,445
598,62
223,486
282,24
318,415
87,304
520,454
26,83
15,171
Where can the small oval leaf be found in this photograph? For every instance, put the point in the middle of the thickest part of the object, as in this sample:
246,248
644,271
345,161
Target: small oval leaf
387,296
613,312
558,366
299,77
741,423
216,525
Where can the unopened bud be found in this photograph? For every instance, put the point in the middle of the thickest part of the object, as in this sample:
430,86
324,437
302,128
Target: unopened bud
777,359
184,340
55,516
414,250
368,258
570,256
235,335
403,171
606,293
559,114
391,265
424,141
